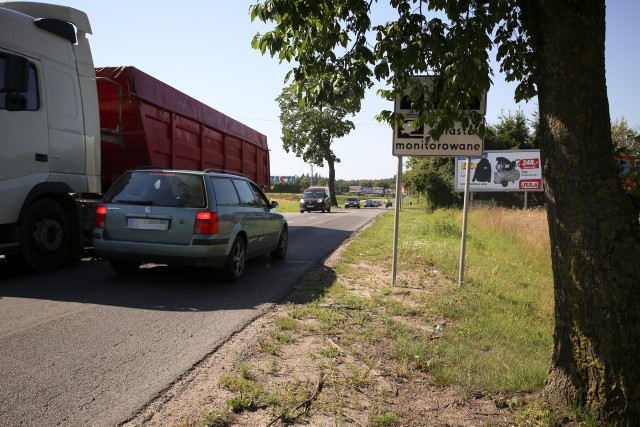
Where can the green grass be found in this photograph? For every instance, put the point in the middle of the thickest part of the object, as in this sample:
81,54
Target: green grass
287,202
283,401
388,419
499,322
498,325
250,393
221,418
328,318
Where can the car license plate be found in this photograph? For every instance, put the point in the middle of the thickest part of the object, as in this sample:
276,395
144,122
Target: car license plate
148,224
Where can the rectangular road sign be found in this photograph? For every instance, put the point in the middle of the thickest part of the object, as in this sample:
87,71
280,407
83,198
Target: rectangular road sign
408,140
455,142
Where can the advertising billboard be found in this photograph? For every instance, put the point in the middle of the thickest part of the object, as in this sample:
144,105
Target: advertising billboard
502,170
366,190
276,179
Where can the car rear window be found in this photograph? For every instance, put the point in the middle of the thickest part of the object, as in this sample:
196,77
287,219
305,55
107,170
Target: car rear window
159,188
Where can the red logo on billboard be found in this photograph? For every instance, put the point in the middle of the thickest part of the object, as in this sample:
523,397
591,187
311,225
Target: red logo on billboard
529,163
530,184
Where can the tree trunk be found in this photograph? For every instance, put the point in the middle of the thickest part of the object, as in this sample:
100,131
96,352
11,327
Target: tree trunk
332,181
594,230
331,162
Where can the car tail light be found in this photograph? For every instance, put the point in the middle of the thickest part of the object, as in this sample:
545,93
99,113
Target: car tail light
206,223
100,219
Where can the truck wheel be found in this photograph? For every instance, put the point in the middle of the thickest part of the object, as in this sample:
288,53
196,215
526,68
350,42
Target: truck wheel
281,250
234,267
125,268
45,236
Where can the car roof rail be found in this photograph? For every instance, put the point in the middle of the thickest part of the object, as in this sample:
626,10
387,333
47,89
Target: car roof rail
225,171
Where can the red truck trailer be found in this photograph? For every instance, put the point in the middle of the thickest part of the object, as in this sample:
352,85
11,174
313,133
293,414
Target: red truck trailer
145,122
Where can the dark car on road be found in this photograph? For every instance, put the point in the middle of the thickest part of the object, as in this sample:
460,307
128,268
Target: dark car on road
190,218
371,203
315,199
352,202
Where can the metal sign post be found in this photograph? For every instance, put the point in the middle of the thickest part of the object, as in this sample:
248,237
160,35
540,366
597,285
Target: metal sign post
397,220
465,215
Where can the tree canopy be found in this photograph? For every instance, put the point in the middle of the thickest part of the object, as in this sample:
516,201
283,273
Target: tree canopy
626,139
511,132
309,130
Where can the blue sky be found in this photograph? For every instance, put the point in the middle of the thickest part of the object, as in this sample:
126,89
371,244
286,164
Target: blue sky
203,48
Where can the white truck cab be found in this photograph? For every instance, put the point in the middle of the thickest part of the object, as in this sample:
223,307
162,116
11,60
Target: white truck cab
50,132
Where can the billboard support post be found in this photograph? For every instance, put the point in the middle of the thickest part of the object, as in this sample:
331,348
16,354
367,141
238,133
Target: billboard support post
465,215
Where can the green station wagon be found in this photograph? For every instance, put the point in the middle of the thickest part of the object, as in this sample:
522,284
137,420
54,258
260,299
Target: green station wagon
192,218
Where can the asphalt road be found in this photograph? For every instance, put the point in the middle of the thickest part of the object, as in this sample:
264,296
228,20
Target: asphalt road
81,346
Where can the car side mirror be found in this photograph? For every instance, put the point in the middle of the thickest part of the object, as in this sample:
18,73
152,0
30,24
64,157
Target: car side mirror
274,204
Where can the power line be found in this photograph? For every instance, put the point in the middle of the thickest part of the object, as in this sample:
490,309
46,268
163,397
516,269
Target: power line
271,120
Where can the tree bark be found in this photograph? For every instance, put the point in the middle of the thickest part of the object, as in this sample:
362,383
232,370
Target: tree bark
328,155
594,230
332,181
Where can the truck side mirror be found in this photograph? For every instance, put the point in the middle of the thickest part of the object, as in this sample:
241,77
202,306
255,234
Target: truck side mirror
16,74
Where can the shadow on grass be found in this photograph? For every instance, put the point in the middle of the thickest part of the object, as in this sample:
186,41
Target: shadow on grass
312,286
